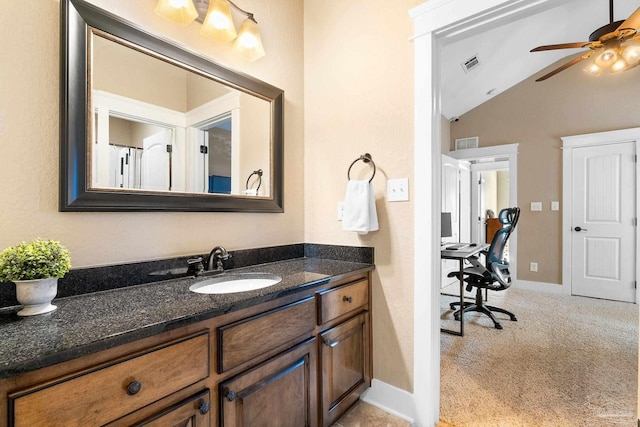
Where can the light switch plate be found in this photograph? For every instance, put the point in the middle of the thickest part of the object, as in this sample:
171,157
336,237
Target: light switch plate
536,206
398,190
555,206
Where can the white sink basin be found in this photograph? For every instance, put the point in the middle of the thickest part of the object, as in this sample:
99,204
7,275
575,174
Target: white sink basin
231,283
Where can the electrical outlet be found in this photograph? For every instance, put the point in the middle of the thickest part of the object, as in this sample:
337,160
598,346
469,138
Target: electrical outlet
533,266
340,210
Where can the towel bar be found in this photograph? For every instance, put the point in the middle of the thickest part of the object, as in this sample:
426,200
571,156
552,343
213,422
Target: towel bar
259,173
366,157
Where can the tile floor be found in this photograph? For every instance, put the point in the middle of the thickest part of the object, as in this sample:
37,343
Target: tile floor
364,415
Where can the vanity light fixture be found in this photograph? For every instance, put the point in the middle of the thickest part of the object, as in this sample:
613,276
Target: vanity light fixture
217,23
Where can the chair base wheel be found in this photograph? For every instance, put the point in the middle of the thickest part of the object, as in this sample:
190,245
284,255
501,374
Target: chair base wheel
480,307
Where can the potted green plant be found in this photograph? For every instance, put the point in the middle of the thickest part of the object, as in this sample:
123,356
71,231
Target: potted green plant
35,268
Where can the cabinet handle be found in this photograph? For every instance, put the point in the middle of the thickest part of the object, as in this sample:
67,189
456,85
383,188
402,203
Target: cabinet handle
204,407
134,387
229,394
347,299
330,343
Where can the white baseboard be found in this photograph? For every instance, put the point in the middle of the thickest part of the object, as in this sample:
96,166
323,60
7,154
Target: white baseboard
551,288
390,399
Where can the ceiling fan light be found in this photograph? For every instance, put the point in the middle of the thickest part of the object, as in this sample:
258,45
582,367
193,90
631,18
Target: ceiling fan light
607,58
619,65
218,24
631,54
182,12
593,69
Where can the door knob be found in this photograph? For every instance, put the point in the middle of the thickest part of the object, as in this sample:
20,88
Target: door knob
578,228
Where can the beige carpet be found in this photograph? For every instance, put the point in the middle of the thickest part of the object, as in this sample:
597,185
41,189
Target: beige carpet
567,361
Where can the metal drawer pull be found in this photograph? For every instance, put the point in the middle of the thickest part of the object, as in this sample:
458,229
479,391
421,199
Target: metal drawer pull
347,299
229,394
134,387
204,407
330,343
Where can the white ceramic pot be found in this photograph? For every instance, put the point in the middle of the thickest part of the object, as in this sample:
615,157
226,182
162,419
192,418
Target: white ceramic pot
36,295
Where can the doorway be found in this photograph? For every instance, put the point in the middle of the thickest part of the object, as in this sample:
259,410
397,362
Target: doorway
433,21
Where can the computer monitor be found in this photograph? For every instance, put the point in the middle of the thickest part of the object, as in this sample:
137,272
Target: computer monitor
445,224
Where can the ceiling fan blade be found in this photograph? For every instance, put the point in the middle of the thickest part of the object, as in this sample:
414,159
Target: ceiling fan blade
577,45
565,66
632,22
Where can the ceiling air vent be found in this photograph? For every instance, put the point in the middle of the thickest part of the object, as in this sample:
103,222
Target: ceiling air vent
470,63
464,143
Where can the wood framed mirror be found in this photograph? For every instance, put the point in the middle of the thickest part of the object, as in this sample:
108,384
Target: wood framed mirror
146,125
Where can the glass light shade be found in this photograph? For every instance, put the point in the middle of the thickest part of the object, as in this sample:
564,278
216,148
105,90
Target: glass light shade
182,12
619,65
607,58
249,43
218,24
593,69
631,54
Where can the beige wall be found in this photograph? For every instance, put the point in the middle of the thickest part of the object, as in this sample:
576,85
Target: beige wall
254,133
29,79
359,98
127,72
537,115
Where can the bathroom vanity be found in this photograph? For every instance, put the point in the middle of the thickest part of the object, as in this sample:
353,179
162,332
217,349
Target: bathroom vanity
296,353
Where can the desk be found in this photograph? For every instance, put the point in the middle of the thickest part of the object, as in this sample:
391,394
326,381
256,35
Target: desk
460,255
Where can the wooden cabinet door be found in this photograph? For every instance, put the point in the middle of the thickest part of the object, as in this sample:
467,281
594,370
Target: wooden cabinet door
346,371
281,392
192,412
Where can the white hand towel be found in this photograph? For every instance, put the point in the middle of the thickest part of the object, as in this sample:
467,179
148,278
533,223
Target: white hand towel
359,211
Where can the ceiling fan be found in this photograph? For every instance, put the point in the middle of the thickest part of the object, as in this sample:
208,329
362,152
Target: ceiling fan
617,46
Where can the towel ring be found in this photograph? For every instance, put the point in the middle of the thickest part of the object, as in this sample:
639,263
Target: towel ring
366,157
259,173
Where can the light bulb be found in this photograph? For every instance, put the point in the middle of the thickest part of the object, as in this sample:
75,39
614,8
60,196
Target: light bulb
249,43
182,12
218,23
593,69
607,58
619,65
631,54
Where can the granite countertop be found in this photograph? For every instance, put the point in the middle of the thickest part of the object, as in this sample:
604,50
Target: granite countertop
89,323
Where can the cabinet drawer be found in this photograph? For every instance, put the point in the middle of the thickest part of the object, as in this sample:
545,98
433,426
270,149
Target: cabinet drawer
335,302
109,391
241,341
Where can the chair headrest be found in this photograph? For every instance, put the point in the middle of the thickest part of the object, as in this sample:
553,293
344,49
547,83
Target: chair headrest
509,216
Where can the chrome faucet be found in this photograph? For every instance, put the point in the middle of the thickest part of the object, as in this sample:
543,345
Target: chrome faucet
217,254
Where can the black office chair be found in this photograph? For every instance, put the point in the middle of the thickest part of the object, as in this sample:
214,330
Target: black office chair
494,274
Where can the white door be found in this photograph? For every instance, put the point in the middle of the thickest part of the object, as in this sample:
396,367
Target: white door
602,229
155,161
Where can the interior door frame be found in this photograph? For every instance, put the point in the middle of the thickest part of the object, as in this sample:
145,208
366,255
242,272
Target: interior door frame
434,22
510,151
581,141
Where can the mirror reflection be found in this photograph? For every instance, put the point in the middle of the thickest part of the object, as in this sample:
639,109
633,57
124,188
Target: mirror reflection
160,127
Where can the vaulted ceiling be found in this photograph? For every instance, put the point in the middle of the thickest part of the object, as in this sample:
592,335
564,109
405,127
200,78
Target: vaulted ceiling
503,50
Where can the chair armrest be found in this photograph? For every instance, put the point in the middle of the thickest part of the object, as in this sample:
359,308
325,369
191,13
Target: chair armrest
501,273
